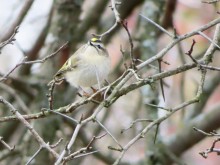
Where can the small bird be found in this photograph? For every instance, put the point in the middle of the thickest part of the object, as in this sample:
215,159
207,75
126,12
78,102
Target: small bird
88,66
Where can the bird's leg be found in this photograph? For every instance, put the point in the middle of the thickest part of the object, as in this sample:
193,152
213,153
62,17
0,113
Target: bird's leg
94,90
84,93
97,76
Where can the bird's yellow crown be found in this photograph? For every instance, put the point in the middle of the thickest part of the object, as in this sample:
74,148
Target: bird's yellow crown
94,39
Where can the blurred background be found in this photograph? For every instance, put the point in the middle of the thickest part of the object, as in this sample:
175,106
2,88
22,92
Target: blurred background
44,26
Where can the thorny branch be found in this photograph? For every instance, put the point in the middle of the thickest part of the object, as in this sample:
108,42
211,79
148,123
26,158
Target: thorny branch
118,89
189,53
155,77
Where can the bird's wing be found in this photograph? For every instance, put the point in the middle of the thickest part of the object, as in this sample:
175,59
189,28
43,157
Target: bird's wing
70,64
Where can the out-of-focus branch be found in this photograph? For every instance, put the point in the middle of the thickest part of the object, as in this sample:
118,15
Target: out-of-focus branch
209,1
27,5
14,94
167,21
32,54
6,153
93,14
20,85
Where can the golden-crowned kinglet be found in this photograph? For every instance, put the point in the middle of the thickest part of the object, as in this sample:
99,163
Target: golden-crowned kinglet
88,66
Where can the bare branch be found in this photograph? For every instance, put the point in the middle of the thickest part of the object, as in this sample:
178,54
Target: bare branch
6,145
19,18
109,133
212,149
134,122
205,36
125,25
212,133
210,1
10,40
57,143
35,154
189,53
24,62
117,20
69,145
30,128
83,151
158,26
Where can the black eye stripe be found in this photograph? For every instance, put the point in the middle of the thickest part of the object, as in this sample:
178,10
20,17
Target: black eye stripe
98,41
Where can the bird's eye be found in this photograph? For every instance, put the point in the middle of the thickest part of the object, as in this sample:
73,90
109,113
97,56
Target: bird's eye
99,46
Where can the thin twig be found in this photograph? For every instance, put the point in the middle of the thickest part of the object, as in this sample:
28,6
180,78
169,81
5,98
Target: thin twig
116,141
189,53
213,133
35,154
159,107
161,80
205,36
210,1
134,122
10,40
6,145
95,138
84,150
69,145
50,94
210,67
117,20
86,154
66,109
24,62
63,115
14,94
19,18
125,25
57,143
158,26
